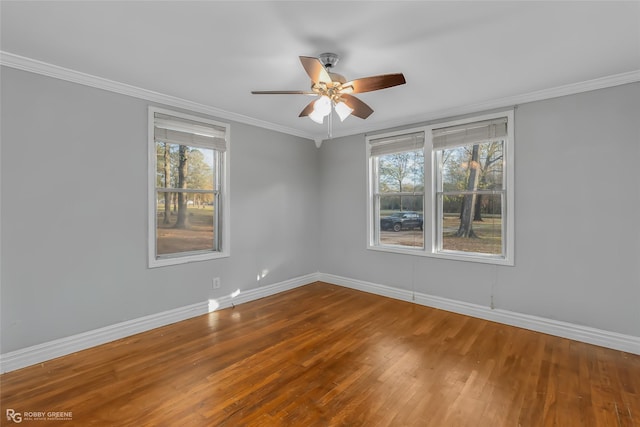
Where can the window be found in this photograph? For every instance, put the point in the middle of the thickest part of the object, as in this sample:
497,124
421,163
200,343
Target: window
397,165
465,189
188,193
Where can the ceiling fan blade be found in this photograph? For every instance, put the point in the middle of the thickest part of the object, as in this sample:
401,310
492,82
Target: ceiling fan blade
307,110
360,109
368,84
282,92
315,69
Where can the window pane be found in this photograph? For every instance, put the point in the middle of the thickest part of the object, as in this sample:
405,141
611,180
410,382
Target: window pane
487,158
401,172
401,221
185,222
181,166
471,223
396,204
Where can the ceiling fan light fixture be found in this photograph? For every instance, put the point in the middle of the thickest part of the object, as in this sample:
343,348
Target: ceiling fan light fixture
322,106
316,117
343,110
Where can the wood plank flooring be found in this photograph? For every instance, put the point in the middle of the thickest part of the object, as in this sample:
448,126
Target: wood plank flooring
323,355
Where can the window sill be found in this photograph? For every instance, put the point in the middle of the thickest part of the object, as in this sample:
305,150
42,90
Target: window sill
453,256
163,262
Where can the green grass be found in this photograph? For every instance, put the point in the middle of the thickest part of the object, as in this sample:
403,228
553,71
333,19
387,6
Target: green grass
488,232
198,235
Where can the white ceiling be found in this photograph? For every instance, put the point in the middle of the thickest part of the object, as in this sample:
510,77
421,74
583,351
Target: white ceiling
455,55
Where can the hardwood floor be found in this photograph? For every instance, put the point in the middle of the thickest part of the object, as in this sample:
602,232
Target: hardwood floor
323,355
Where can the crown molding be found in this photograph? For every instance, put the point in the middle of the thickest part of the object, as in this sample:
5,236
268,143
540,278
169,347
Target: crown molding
38,67
506,102
34,66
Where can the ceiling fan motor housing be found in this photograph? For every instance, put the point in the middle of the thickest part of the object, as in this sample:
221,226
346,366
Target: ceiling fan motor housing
329,60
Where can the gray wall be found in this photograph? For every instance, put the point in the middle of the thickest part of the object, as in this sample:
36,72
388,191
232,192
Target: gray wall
74,213
74,220
577,221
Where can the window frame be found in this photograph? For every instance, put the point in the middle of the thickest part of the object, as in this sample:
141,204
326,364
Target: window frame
431,215
373,211
221,217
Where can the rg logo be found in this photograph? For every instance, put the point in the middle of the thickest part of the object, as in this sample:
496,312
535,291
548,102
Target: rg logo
14,416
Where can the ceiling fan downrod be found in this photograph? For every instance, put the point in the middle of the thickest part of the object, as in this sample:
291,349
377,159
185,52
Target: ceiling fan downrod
328,59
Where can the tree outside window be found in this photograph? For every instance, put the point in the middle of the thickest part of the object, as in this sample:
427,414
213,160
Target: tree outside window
456,178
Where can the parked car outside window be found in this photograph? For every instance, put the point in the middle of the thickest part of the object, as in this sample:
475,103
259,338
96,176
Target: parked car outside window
407,220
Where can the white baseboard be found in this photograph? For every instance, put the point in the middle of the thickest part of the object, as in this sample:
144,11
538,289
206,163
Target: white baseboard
49,350
42,352
67,345
613,340
261,292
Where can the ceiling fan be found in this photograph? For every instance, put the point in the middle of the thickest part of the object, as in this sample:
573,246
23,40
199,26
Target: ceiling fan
333,91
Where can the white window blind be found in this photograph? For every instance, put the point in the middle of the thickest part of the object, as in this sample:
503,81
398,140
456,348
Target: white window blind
397,144
469,133
174,130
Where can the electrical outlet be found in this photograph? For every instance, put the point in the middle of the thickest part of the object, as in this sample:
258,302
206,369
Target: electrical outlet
216,283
